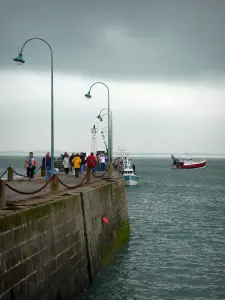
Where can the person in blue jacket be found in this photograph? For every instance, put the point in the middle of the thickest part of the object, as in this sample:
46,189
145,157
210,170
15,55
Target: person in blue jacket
46,164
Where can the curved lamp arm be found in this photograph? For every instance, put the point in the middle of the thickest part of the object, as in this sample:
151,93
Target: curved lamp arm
101,117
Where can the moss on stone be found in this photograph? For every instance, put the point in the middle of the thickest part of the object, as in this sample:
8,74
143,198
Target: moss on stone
122,235
10,221
34,213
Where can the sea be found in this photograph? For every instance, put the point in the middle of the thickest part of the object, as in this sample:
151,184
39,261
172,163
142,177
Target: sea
177,245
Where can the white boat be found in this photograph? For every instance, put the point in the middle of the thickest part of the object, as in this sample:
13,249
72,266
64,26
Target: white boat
125,166
130,177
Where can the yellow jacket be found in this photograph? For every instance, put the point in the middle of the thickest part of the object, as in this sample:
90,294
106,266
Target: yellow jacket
76,162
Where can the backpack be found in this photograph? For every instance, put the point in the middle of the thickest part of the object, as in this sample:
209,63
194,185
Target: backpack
92,162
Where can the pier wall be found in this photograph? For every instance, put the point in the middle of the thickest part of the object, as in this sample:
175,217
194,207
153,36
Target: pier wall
54,250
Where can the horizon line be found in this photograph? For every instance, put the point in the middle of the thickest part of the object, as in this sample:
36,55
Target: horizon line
115,152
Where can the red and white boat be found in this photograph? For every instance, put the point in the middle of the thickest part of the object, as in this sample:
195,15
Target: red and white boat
187,163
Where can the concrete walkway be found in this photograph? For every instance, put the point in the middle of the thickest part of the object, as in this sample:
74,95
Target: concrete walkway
22,184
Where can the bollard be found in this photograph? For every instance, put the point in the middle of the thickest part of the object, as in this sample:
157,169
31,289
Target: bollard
2,193
10,174
54,184
42,172
109,171
89,175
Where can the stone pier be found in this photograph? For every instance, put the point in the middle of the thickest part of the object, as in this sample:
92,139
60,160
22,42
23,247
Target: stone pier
53,249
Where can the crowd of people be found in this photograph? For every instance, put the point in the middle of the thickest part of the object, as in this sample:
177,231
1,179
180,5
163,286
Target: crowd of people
76,163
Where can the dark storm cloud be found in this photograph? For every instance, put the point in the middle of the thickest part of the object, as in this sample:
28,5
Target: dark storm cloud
161,39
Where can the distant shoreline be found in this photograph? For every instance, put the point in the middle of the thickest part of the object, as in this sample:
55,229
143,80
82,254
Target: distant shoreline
134,154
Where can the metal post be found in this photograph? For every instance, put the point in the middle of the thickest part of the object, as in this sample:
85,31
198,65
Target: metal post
20,60
52,119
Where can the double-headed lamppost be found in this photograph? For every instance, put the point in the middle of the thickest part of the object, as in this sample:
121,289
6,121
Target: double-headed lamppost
19,59
100,117
88,96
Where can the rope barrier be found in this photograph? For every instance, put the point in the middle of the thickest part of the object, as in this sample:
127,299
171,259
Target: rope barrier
101,176
4,173
46,184
74,186
30,193
24,174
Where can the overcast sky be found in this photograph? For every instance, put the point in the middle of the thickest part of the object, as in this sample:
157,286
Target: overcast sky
163,60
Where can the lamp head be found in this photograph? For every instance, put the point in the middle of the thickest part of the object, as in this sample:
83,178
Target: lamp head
88,95
99,117
19,59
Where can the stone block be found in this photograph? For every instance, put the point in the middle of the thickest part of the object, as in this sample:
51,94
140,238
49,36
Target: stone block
86,201
20,290
11,257
75,234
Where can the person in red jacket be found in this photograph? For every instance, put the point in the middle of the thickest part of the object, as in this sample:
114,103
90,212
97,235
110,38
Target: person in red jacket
91,162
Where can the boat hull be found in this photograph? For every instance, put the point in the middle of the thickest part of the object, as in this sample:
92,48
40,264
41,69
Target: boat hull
194,165
131,180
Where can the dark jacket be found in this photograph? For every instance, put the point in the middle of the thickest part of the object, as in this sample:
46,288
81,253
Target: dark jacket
82,157
71,158
48,161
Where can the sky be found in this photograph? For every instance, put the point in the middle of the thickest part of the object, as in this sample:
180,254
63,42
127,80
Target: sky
163,61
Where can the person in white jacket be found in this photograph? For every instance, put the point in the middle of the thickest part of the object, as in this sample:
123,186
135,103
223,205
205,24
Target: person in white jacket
66,164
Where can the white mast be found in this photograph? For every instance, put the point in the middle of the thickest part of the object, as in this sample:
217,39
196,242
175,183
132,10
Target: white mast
94,130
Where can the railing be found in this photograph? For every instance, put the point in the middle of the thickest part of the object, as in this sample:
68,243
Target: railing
11,171
54,180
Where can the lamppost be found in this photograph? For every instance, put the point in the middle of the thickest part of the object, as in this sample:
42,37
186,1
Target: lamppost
88,96
101,119
19,59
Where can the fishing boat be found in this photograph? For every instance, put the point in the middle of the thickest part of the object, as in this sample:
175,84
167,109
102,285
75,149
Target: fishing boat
123,163
187,163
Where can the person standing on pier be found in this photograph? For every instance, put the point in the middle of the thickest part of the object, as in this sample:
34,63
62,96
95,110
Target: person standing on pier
72,167
63,156
92,162
46,165
76,163
66,164
102,162
30,165
82,157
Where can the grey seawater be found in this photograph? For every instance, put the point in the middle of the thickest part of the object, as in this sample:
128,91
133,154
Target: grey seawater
16,162
177,245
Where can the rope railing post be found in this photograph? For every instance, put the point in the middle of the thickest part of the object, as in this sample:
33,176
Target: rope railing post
89,175
42,171
10,174
109,171
2,193
54,185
